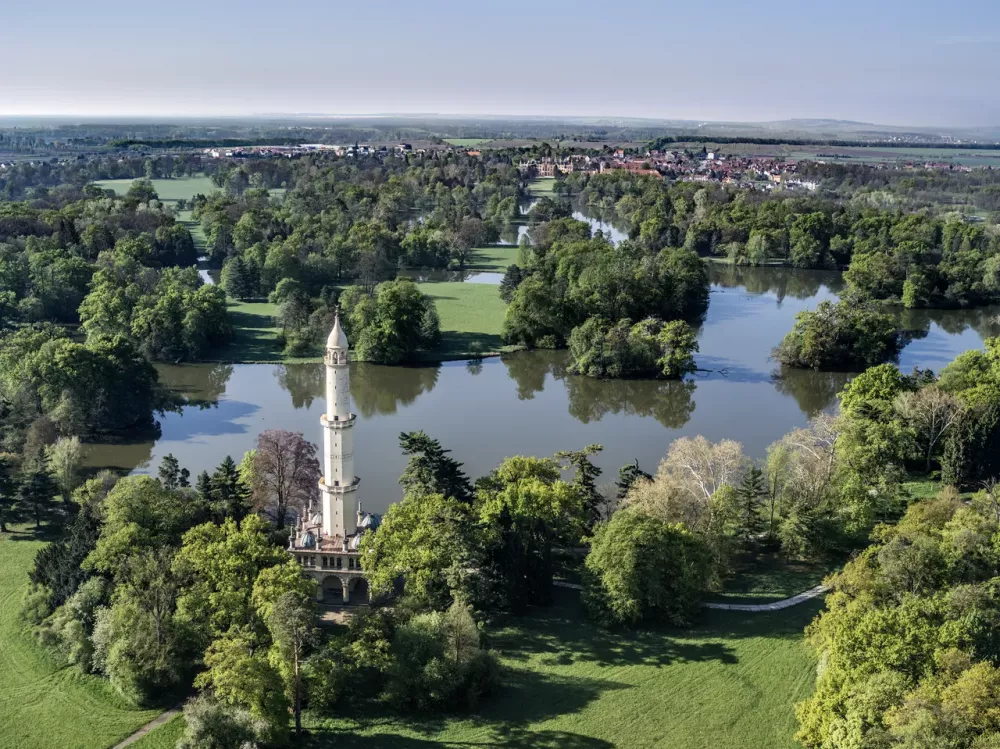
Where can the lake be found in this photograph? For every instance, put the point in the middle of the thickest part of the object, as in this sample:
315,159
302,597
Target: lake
528,404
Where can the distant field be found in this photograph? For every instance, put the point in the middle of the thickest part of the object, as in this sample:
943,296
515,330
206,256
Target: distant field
44,705
731,682
467,142
541,186
852,154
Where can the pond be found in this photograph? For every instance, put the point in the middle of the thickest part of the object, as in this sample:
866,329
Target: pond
527,403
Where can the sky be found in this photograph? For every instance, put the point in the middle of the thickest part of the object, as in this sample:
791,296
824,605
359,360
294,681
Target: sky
893,62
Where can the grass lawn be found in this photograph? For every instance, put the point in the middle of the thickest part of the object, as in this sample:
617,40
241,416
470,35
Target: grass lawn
730,682
44,705
255,338
169,190
162,737
471,314
541,186
772,578
494,258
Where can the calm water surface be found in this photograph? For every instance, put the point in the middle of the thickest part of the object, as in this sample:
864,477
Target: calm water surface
528,404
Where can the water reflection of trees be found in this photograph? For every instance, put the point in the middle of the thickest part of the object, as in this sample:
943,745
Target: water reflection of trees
814,391
983,320
782,282
196,384
375,389
304,382
670,402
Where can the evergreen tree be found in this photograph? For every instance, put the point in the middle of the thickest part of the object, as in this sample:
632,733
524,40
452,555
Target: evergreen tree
36,492
7,492
203,485
585,480
170,472
628,474
751,493
430,470
229,497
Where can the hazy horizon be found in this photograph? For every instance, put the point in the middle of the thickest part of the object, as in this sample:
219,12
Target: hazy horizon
898,64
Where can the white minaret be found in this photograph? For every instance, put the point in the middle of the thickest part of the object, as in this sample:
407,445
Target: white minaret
339,484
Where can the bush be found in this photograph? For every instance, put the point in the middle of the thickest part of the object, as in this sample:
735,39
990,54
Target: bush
210,725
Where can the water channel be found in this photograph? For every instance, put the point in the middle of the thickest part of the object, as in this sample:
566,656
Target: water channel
528,404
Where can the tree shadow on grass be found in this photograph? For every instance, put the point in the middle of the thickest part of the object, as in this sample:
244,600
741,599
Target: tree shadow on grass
526,697
454,343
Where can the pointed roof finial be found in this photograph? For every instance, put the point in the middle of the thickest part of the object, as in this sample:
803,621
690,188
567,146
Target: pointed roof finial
337,337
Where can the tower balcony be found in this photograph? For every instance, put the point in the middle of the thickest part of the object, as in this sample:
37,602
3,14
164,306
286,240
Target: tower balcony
337,422
338,487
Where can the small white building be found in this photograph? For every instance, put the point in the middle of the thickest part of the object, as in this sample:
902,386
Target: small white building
325,543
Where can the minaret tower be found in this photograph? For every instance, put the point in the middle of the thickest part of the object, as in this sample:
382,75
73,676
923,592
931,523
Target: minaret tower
339,485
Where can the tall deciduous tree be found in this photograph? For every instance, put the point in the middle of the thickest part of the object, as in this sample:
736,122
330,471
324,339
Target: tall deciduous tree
292,624
286,474
64,462
933,413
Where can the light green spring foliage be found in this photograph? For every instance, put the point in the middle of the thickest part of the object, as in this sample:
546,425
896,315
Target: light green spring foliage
641,568
907,640
392,324
649,348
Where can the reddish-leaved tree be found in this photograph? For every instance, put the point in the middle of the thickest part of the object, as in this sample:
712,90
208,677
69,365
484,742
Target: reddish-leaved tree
285,474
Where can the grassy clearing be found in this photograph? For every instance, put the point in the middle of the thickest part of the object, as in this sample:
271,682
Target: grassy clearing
169,190
729,682
772,578
162,737
471,316
255,337
43,704
541,186
494,258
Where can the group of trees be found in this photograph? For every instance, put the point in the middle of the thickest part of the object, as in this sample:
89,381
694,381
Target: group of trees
890,251
610,301
158,585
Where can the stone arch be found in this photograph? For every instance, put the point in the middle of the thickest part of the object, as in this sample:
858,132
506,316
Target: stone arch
359,590
333,589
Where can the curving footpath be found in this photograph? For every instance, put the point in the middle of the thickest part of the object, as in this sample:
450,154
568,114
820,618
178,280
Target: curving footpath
773,606
155,723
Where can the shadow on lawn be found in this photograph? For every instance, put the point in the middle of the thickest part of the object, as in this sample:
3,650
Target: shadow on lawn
563,635
516,738
253,337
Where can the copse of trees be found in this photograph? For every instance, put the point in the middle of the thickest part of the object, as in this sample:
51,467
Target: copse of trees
392,324
649,348
571,278
844,335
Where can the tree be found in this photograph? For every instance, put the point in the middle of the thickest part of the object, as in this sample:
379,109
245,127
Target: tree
425,540
841,336
171,475
212,725
64,464
430,470
933,413
751,491
628,474
640,568
292,624
35,493
650,348
392,324
285,474
229,496
585,480
8,491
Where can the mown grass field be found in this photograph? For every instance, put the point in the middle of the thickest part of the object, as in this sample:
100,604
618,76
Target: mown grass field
162,737
169,190
730,682
541,186
44,705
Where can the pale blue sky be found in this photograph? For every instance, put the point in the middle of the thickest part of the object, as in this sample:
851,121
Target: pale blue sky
917,62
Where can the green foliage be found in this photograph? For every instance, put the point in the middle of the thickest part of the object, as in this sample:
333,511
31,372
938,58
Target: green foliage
649,348
642,569
392,325
211,725
908,637
841,336
430,470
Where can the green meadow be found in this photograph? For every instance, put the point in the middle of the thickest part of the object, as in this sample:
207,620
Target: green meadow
44,704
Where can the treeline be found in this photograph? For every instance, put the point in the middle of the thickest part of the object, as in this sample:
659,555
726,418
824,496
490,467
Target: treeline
914,259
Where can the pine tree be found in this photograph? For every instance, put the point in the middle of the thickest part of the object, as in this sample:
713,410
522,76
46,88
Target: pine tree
586,477
229,496
203,485
628,474
751,494
170,472
430,470
8,494
36,492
